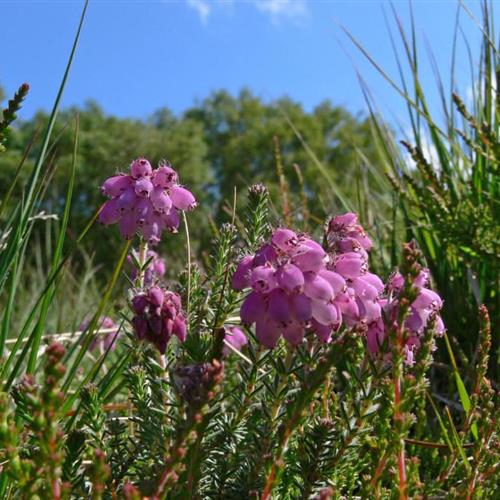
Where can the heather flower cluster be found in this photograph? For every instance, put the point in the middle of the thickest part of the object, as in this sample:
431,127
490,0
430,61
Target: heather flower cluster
158,316
297,286
292,290
425,307
349,245
146,201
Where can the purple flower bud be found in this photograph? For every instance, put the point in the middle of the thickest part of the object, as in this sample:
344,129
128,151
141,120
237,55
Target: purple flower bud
267,332
369,310
363,289
284,239
323,312
152,233
324,332
374,281
140,325
348,307
290,278
143,210
310,260
182,198
143,188
301,307
375,335
396,282
159,265
265,255
139,303
262,279
140,168
340,222
252,309
293,332
114,186
160,200
171,220
180,328
317,287
336,281
427,299
422,278
279,307
156,296
350,265
164,177
440,328
109,213
241,277
128,226
127,200
235,337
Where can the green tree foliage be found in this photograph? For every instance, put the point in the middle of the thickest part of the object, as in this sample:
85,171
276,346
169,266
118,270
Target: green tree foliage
218,145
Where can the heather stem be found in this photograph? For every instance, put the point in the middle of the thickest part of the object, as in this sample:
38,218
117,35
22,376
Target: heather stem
143,251
188,244
398,417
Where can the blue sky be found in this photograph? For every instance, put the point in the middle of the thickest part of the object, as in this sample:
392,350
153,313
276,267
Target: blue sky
136,56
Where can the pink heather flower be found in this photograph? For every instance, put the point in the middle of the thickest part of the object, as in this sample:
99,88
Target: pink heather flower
349,246
146,202
235,337
158,316
424,308
102,339
345,234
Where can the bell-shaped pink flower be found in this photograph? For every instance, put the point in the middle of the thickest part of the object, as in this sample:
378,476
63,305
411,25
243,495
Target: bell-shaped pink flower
290,278
279,306
128,226
318,288
241,277
284,239
143,188
114,186
301,307
182,198
109,214
235,337
160,200
267,332
140,168
164,177
293,332
253,308
262,279
325,313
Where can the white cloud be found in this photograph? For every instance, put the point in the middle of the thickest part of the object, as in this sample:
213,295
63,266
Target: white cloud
276,10
202,8
295,10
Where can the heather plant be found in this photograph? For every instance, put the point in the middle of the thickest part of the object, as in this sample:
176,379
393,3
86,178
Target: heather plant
287,364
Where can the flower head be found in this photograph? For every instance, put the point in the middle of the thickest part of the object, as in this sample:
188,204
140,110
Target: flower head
292,290
158,316
146,201
423,309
